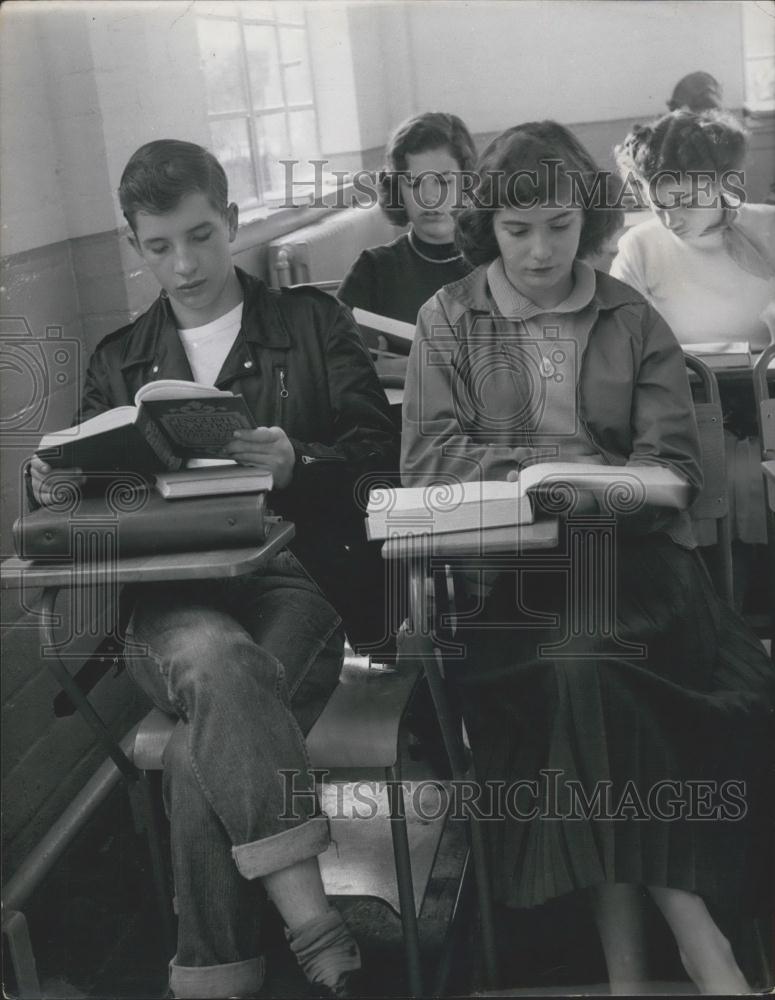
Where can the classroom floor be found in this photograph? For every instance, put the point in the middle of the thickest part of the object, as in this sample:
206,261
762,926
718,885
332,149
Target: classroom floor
95,932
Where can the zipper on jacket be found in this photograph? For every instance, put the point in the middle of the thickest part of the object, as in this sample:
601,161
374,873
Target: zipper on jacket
281,376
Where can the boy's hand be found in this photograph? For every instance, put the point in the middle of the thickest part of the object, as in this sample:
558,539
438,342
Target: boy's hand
267,446
42,484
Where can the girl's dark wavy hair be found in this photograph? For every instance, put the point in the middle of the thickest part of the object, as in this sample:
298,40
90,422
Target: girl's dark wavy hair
430,130
534,163
162,172
683,141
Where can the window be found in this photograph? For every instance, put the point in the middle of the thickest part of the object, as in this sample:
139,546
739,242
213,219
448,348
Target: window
260,95
759,48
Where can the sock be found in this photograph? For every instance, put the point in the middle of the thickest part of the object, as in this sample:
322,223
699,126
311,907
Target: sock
325,948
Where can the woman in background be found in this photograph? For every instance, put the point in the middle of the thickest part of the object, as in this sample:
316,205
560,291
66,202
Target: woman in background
698,91
419,186
706,262
693,699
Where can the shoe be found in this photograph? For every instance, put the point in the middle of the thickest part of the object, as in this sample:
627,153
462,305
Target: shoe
349,986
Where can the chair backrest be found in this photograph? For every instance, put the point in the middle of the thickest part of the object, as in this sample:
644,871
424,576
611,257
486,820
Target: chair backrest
712,504
765,403
325,250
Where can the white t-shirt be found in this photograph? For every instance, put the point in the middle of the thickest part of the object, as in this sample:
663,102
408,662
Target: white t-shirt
207,346
695,285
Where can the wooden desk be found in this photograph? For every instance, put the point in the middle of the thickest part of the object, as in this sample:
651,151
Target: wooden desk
217,564
768,468
543,534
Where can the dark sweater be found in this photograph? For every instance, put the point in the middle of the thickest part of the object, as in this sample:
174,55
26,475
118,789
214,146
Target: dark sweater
395,281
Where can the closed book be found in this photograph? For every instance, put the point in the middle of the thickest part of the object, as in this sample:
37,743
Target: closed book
145,524
214,481
442,508
434,509
171,422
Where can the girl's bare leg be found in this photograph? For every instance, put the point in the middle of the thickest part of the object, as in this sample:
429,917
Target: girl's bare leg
618,911
705,952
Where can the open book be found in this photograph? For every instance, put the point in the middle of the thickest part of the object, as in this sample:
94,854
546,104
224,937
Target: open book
398,334
444,508
171,422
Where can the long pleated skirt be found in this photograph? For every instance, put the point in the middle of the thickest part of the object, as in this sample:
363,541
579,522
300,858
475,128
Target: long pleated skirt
639,753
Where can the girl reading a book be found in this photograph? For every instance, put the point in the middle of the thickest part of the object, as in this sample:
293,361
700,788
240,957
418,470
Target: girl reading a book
589,730
419,187
706,261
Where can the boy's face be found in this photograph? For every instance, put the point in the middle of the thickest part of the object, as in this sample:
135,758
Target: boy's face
187,249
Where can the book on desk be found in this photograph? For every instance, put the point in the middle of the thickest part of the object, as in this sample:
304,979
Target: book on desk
171,422
445,508
135,485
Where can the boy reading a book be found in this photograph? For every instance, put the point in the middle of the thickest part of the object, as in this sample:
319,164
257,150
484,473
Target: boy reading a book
226,657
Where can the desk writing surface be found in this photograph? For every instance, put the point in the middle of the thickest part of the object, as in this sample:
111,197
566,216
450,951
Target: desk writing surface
542,534
214,564
768,468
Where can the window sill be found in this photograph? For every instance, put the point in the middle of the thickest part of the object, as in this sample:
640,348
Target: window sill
755,113
278,220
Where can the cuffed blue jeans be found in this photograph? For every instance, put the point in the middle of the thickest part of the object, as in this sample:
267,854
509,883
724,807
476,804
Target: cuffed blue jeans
226,657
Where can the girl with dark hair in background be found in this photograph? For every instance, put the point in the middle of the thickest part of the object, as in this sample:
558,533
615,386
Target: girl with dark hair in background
419,187
691,699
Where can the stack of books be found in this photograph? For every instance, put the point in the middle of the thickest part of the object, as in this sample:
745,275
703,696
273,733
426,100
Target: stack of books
167,447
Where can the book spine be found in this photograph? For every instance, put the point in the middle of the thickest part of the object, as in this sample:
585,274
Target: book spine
158,441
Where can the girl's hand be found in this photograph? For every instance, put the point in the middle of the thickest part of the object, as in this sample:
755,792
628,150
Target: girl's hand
586,502
266,446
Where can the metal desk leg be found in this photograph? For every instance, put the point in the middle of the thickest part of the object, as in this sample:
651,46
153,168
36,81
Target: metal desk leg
450,730
67,683
21,955
403,864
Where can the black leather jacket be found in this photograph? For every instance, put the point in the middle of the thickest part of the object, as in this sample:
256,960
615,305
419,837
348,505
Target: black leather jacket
300,363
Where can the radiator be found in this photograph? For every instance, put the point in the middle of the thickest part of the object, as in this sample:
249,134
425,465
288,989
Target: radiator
324,251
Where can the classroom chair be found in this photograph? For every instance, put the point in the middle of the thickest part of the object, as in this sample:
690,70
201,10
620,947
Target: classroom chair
432,561
764,395
358,728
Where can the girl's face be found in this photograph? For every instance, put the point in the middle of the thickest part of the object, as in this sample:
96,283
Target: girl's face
686,206
538,247
429,192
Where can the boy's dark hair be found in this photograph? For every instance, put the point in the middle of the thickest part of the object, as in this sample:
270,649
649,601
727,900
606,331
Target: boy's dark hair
529,164
162,172
430,130
697,91
683,141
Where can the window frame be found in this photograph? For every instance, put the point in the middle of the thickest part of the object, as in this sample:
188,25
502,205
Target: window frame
264,196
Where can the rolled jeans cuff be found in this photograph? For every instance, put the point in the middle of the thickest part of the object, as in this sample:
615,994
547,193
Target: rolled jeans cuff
214,982
281,850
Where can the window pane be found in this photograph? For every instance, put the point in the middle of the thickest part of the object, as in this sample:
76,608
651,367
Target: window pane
760,81
264,67
272,147
291,11
222,7
298,82
260,9
232,147
304,140
221,60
